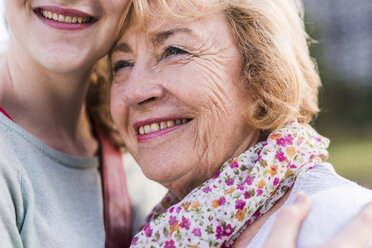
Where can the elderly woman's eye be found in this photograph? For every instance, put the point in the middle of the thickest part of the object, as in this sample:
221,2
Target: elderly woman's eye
120,65
172,51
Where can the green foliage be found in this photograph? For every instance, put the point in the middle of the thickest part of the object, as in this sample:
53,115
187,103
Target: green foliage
346,115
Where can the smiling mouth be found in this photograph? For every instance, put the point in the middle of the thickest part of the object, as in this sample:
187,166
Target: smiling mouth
64,18
156,126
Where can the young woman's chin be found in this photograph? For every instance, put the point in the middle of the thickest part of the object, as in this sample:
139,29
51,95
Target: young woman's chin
66,59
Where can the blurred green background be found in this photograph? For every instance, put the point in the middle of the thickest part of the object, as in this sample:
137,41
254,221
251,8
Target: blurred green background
342,30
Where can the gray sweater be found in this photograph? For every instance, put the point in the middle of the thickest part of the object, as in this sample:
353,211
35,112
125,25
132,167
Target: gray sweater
47,198
334,202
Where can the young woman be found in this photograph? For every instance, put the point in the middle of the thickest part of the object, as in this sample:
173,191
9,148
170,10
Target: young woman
50,158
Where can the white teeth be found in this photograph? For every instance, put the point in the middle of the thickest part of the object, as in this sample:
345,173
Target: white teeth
163,125
141,130
154,127
68,19
62,18
170,123
159,126
147,129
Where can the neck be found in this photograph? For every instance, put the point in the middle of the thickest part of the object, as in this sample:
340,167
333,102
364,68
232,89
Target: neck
49,105
204,171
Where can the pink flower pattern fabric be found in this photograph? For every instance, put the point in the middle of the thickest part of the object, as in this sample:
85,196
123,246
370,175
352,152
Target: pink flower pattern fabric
217,212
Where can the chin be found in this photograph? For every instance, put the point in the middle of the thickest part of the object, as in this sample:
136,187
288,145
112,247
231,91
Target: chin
163,172
66,62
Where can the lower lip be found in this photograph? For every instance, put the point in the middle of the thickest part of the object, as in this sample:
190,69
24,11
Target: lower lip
144,138
63,26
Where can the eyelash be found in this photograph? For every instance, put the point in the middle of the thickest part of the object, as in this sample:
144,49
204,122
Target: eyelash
169,51
120,65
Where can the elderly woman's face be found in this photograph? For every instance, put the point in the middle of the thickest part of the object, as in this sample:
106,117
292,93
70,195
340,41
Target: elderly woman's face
179,101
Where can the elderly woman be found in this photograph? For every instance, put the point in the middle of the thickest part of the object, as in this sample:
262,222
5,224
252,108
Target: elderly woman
212,98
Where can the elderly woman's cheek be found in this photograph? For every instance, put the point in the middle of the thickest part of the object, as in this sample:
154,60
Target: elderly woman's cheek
220,84
117,107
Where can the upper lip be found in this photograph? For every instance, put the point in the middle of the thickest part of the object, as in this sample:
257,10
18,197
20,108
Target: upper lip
139,124
65,11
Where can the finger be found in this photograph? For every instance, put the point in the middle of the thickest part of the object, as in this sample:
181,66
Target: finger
357,233
288,222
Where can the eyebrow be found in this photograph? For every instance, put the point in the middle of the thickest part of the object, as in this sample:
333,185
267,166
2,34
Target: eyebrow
162,36
157,40
123,47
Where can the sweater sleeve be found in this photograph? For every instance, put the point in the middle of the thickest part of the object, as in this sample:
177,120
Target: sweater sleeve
11,206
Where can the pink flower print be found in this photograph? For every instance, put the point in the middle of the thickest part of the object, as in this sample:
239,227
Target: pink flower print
196,231
239,204
257,214
219,232
149,218
134,241
249,180
172,220
292,166
246,195
234,165
258,159
171,210
169,244
317,139
289,139
207,190
240,186
224,245
285,141
259,192
148,230
228,230
229,181
281,142
185,223
276,181
280,156
221,201
216,175
178,209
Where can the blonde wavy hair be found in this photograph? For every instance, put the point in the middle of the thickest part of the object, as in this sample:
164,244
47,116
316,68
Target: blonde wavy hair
270,34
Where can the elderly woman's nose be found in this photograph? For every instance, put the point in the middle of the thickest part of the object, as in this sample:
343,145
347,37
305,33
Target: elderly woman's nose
142,87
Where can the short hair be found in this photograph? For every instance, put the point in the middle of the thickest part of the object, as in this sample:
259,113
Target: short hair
279,73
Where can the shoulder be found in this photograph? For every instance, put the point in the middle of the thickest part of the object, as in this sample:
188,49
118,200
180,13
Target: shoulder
334,202
13,177
328,189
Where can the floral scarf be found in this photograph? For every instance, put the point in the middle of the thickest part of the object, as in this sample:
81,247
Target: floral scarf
217,212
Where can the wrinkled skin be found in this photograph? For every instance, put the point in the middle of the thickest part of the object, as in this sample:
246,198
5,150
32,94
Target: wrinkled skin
185,70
